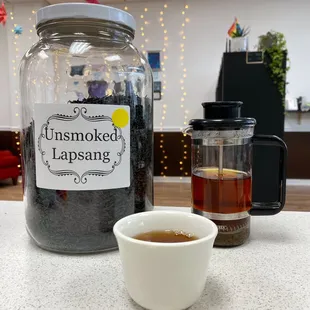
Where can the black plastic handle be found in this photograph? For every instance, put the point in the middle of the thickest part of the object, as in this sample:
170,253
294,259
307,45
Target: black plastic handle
271,208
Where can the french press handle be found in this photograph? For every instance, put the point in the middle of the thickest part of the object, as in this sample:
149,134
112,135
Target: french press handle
271,208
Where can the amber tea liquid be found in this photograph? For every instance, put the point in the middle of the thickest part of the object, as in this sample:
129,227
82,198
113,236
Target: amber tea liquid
230,192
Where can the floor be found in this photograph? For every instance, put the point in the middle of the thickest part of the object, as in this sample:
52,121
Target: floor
179,194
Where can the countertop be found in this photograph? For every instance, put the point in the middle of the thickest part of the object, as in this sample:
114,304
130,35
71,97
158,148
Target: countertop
271,271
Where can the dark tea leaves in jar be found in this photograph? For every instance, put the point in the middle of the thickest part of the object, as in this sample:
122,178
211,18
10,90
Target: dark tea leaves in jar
166,236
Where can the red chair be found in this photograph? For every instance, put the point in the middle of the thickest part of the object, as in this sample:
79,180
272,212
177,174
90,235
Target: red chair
9,166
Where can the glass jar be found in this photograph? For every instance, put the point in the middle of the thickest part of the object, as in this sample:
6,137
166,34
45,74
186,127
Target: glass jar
87,127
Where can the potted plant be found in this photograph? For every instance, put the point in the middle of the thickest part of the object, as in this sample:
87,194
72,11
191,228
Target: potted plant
239,39
273,44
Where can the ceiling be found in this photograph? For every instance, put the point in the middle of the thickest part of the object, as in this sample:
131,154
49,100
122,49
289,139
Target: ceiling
66,1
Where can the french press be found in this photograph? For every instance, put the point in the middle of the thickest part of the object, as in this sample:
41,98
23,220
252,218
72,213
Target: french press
222,146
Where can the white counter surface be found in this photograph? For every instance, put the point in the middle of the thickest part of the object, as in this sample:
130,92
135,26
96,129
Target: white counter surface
271,271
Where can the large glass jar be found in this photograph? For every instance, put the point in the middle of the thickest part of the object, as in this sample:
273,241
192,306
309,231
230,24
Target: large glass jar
87,127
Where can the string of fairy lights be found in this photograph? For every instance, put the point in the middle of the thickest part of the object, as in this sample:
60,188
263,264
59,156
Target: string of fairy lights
185,111
164,155
164,57
16,57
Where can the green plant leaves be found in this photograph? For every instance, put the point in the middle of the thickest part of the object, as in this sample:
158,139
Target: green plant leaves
274,44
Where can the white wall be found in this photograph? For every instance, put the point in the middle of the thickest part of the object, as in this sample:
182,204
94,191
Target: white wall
12,49
205,42
5,111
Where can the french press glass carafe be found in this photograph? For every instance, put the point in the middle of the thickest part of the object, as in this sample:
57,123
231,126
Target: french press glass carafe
222,170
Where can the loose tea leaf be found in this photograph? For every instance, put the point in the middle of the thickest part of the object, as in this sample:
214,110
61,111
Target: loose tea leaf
82,221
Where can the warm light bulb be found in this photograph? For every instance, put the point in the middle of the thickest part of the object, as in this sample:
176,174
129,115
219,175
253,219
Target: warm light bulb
166,38
145,10
186,173
30,30
142,28
182,50
164,49
164,111
183,25
164,87
142,45
181,163
161,13
184,69
18,166
165,167
187,20
126,8
163,69
184,94
165,6
162,63
184,75
161,161
182,57
146,40
165,157
186,6
164,105
17,143
163,25
185,152
165,57
142,16
181,81
161,19
182,99
182,88
181,105
183,12
142,34
165,31
184,37
146,23
161,146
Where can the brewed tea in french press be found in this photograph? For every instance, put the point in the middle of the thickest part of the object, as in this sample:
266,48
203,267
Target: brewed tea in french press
222,145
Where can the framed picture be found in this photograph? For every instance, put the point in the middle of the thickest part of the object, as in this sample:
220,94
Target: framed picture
154,60
157,90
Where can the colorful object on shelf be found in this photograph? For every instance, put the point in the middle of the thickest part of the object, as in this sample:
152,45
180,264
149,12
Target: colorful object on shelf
233,28
235,31
3,14
18,30
93,1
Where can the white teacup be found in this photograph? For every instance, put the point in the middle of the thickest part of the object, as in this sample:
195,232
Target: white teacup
165,276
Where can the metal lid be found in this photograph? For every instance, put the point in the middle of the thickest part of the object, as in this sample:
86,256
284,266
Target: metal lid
85,10
222,115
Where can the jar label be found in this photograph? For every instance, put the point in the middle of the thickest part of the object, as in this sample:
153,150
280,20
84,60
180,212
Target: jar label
82,146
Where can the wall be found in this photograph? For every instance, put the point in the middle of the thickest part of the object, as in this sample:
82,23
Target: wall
5,111
14,48
205,43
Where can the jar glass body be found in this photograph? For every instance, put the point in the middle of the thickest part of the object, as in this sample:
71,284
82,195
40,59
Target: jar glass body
87,64
222,181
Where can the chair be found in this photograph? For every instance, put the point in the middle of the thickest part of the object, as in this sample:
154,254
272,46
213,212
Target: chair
9,166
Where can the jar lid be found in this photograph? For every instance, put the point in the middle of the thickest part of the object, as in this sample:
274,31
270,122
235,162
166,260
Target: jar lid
85,10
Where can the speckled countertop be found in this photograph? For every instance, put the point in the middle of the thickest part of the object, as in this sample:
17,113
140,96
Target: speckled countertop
271,271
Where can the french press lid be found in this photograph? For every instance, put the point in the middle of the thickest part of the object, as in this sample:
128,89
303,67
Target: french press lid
222,115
